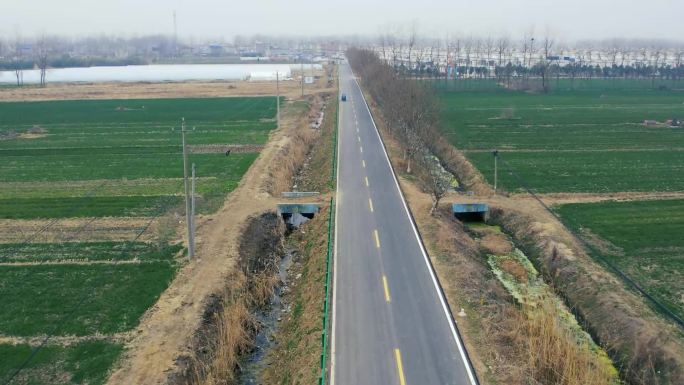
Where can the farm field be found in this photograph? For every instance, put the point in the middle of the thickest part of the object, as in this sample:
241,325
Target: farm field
643,238
112,164
108,141
82,363
586,140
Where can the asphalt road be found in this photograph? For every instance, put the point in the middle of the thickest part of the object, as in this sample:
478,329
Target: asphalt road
390,322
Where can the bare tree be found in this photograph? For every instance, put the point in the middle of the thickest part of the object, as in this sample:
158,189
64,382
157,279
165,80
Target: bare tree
489,48
41,52
434,179
545,62
411,42
436,60
656,54
501,47
17,61
467,50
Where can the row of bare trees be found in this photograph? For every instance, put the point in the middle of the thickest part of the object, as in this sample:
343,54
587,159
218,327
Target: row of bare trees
410,111
20,56
506,58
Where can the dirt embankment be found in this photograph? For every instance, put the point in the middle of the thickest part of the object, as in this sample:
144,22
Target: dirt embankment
167,330
294,150
228,325
648,349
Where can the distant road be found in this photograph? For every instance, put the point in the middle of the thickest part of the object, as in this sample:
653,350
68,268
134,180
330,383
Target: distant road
390,321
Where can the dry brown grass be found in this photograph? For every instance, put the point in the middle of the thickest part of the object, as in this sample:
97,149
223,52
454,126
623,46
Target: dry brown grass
229,323
190,89
647,349
293,152
233,326
553,354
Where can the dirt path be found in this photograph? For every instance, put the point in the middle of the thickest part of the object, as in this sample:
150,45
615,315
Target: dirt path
83,262
166,330
64,340
74,229
564,198
66,91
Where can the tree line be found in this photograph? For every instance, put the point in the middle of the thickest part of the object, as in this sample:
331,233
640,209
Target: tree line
511,61
411,113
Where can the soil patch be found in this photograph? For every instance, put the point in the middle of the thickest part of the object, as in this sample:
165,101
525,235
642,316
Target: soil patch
494,243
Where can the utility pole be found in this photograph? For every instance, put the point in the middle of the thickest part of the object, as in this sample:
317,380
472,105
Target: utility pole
302,69
277,100
192,210
496,171
188,205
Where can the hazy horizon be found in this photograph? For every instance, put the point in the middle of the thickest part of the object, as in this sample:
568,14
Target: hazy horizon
216,19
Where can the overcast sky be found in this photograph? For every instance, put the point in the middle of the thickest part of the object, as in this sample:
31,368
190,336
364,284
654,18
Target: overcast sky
565,19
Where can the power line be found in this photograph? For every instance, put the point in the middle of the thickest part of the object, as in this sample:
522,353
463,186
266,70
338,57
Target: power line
593,251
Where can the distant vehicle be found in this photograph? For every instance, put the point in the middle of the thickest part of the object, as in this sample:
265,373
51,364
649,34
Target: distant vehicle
344,97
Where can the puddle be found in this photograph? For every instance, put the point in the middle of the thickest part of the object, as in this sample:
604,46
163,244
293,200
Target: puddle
268,318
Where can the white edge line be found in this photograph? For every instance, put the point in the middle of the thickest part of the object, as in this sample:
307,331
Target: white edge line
450,319
337,203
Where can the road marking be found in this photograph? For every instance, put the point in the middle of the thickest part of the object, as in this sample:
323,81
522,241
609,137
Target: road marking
442,300
366,178
377,239
400,367
361,148
370,203
359,138
363,162
384,283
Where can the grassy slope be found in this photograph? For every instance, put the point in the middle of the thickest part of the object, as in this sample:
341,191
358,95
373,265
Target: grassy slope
295,359
596,138
647,239
82,363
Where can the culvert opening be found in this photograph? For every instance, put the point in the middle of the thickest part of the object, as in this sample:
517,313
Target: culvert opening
294,214
470,212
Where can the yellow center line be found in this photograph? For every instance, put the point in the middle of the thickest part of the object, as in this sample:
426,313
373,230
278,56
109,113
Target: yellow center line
384,283
377,239
400,367
363,162
366,178
370,203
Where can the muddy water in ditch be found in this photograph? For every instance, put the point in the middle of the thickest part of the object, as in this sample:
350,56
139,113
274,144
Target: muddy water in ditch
268,320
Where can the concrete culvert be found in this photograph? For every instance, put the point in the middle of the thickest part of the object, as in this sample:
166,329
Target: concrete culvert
470,212
294,214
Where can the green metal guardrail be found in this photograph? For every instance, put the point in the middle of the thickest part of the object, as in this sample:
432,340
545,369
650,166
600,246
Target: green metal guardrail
333,174
326,299
328,256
